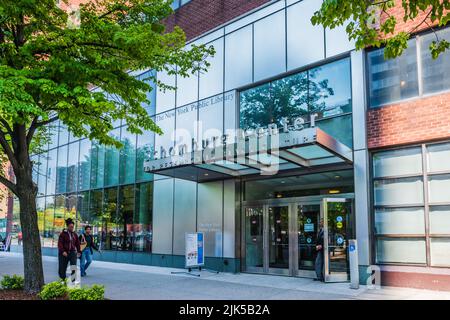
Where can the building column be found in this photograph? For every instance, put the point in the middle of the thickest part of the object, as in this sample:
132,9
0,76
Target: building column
361,161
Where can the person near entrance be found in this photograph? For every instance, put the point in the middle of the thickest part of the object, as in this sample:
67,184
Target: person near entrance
318,265
87,245
68,249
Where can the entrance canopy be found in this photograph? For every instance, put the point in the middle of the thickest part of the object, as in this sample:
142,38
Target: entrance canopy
251,155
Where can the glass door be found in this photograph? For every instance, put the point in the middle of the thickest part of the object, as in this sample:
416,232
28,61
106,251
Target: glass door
254,239
338,229
308,218
278,240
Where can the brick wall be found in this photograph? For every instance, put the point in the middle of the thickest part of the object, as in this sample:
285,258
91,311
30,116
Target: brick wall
414,121
200,16
418,120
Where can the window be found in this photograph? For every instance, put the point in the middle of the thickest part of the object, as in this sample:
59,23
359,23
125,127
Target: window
324,90
179,3
112,161
127,172
435,75
143,218
84,171
394,79
61,170
145,147
98,165
72,167
125,218
408,201
397,79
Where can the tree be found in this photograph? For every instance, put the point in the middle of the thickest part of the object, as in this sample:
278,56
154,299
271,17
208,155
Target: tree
371,22
48,67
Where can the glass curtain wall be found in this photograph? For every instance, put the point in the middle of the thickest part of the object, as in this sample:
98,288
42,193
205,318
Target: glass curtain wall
412,205
96,185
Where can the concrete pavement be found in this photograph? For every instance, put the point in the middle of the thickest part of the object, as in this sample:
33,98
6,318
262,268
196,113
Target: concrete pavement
136,282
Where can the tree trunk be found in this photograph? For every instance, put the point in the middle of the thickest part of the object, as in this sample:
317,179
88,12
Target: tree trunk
32,255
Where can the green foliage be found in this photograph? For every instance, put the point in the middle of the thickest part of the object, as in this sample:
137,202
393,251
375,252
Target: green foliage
53,290
14,282
369,23
50,63
96,292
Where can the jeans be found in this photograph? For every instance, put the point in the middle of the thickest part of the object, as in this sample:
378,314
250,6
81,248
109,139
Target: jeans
318,265
86,260
64,261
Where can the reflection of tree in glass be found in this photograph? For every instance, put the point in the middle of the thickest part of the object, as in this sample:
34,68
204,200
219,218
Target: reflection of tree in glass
292,96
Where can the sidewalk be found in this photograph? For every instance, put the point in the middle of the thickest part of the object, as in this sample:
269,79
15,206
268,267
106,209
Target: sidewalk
135,282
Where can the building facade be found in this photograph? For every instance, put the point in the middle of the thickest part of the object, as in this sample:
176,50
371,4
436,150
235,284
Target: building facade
290,126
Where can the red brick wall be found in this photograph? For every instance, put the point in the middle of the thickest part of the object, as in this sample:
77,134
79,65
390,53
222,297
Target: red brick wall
413,121
418,120
200,16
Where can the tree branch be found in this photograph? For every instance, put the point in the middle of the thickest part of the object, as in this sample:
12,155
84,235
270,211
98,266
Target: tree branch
36,124
9,184
422,22
7,150
6,125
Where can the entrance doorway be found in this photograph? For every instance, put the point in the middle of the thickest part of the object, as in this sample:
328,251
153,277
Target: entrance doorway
280,236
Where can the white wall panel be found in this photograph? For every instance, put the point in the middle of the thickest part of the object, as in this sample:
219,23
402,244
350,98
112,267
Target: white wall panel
238,58
305,42
185,211
162,216
269,46
209,216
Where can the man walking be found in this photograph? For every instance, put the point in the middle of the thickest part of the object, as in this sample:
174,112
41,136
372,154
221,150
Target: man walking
87,241
68,249
319,258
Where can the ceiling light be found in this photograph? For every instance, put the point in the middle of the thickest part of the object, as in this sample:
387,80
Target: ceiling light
334,191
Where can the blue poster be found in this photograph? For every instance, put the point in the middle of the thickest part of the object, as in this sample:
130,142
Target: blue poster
200,248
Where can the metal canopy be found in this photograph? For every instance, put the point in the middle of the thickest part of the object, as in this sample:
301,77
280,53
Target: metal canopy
265,155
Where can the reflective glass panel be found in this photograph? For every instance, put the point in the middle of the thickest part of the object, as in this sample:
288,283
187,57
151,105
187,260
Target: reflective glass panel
125,218
72,167
51,171
61,170
330,89
127,157
393,79
435,76
145,148
84,173
143,218
112,161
